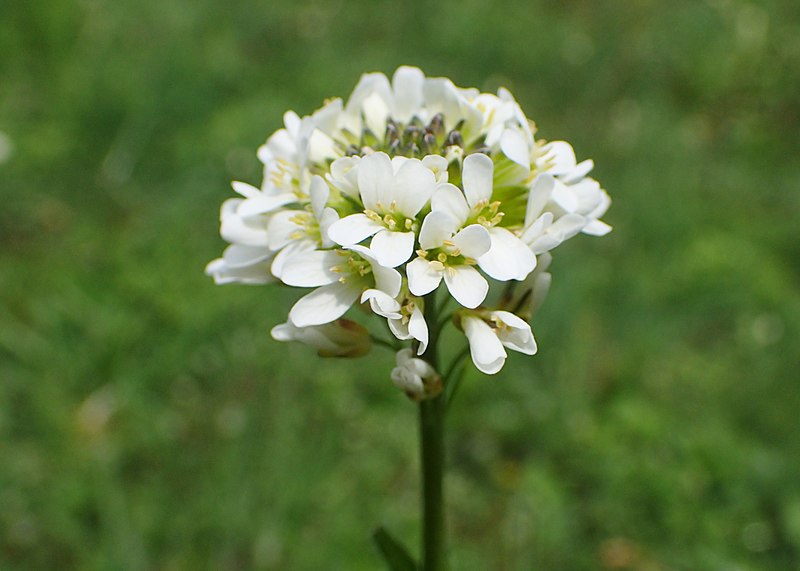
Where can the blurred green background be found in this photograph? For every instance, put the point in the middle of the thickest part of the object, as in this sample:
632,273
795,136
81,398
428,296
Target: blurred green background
147,420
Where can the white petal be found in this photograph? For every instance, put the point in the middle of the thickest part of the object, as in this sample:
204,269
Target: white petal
536,230
327,118
344,175
311,269
328,218
516,148
423,276
449,198
264,204
382,303
353,229
251,275
387,279
441,96
235,229
289,252
484,346
477,176
597,228
509,258
473,241
517,335
467,285
246,190
418,329
560,158
581,170
436,228
407,86
376,112
412,188
238,256
437,164
564,196
282,226
319,192
392,248
540,192
374,180
324,304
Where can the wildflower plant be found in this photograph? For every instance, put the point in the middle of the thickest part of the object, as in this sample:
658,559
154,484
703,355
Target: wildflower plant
372,203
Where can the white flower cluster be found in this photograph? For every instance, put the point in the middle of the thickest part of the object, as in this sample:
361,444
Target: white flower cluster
411,182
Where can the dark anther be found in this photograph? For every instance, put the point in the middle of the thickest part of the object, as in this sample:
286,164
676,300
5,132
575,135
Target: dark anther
352,151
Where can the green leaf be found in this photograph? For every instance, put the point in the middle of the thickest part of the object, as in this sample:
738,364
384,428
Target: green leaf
395,555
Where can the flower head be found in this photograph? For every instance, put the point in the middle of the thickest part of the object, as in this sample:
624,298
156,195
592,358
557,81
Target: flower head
411,182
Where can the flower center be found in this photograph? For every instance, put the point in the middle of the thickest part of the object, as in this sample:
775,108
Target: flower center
354,268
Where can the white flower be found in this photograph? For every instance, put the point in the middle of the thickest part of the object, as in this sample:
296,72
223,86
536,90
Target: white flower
291,231
340,338
415,377
340,276
489,332
392,192
449,251
404,315
508,258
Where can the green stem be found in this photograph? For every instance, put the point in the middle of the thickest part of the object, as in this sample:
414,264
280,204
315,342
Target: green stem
431,429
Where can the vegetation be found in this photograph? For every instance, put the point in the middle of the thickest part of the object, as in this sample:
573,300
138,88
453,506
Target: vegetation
147,420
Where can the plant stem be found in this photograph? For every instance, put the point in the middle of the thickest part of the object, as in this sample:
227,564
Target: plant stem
431,430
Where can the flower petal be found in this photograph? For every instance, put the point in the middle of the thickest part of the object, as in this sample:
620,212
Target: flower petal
412,188
407,85
238,256
374,181
477,176
319,192
466,284
324,304
449,198
516,148
382,303
423,276
353,229
540,192
485,348
392,248
560,158
311,269
264,204
436,228
509,258
437,164
418,328
473,241
288,253
282,225
517,334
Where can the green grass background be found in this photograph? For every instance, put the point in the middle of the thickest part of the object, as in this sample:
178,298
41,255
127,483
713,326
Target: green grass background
147,420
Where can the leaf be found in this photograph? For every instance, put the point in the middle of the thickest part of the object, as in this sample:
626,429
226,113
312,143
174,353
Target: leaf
395,555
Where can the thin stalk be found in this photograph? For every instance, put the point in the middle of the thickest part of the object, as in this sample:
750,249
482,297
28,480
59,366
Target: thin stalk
431,430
